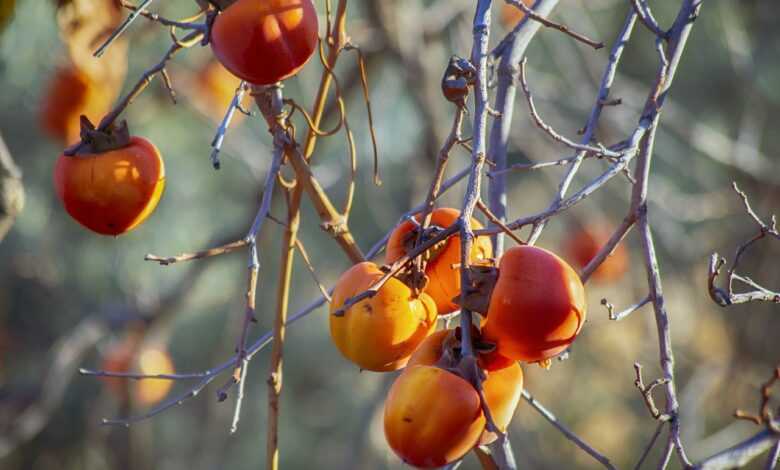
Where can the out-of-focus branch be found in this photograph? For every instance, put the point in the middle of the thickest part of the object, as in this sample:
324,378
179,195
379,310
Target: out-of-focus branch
608,77
516,43
566,432
742,453
727,296
65,356
11,190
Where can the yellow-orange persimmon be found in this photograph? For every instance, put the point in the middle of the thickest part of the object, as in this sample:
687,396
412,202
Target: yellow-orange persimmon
381,332
432,417
265,41
503,387
153,361
126,357
112,192
583,246
70,94
537,307
215,88
442,269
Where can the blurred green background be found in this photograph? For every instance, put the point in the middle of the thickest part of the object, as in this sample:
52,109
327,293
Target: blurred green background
55,276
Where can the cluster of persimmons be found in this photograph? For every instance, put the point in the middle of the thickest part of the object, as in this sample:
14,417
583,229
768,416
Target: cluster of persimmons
433,414
110,182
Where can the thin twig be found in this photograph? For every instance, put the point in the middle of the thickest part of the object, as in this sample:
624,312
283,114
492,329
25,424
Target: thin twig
624,313
122,27
220,250
600,149
219,138
650,445
566,432
551,24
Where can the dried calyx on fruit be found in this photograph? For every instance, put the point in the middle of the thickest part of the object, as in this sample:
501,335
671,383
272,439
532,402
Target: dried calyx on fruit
442,262
459,75
94,140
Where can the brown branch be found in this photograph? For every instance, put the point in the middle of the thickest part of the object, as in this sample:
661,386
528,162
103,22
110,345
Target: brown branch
495,220
647,393
310,267
216,251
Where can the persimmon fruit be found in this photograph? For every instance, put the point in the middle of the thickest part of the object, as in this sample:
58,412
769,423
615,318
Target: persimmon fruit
503,387
70,94
381,332
537,306
441,269
432,417
265,41
111,192
585,244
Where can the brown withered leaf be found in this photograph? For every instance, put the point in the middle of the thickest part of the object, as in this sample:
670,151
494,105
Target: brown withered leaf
84,25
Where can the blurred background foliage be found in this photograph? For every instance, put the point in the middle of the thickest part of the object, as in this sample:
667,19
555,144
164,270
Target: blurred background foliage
55,276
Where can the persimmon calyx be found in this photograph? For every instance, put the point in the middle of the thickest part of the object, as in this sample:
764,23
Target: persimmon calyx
476,295
94,140
459,75
415,279
410,241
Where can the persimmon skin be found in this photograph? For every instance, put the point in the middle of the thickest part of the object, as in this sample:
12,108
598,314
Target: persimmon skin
265,41
113,192
537,307
443,278
432,417
70,94
381,332
585,244
503,387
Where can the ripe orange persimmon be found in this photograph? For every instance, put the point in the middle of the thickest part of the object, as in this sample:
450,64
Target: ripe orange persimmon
381,332
511,15
112,192
586,243
503,387
126,357
70,94
432,417
443,275
265,41
537,307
